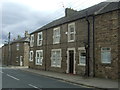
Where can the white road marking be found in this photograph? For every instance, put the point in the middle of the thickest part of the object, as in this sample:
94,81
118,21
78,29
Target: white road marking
1,72
13,77
32,86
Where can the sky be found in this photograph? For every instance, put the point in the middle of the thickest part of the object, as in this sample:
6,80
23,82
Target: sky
18,16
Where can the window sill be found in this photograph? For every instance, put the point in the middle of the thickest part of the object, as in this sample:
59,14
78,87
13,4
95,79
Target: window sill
106,63
39,45
31,46
56,66
38,64
57,43
30,60
71,41
81,65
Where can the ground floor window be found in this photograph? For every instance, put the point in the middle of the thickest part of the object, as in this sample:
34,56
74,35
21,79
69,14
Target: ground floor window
105,55
82,56
31,56
39,57
56,58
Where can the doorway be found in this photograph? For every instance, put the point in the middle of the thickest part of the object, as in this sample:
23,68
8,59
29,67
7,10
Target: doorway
71,61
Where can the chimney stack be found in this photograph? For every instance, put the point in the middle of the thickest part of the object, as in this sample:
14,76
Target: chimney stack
69,12
18,37
26,34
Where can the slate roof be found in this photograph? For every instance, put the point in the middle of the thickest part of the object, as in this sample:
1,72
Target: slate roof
98,9
23,39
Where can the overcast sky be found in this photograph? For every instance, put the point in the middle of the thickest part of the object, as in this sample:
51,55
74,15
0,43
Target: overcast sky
21,15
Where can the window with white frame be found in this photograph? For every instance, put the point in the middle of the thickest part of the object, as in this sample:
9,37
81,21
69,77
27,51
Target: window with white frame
17,46
39,39
56,35
39,57
56,58
106,55
82,56
31,56
32,40
71,32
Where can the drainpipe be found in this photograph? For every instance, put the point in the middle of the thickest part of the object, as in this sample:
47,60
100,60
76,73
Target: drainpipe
8,63
87,48
45,52
93,46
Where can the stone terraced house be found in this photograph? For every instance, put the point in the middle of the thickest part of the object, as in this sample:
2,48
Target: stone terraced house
82,42
17,53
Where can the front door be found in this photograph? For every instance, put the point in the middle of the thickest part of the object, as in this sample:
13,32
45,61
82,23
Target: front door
71,61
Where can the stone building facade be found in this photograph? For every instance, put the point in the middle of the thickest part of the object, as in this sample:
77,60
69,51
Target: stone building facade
17,53
83,42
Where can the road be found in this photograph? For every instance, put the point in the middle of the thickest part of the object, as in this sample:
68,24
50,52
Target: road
15,78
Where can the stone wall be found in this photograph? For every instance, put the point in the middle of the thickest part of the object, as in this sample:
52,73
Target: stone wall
106,35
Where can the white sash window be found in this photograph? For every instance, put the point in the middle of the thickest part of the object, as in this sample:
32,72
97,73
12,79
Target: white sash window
56,58
39,57
39,39
56,35
71,32
31,56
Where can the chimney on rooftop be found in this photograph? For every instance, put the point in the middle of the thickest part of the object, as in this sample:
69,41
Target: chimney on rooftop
18,37
69,12
26,34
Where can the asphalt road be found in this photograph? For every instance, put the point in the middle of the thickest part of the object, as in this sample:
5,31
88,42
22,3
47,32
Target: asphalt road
15,78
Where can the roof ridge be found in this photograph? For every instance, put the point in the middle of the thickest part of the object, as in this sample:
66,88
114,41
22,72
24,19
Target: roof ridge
101,8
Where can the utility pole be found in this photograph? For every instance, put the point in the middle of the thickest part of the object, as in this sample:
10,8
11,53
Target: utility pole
8,49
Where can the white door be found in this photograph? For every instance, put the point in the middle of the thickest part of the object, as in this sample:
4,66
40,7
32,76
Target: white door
21,62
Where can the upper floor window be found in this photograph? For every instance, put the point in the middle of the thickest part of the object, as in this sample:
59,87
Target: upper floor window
82,56
17,46
31,56
56,35
71,32
106,55
39,39
31,40
39,57
56,58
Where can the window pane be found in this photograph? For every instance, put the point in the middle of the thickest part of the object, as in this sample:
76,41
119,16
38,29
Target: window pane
71,29
71,36
106,56
40,36
56,58
82,57
56,35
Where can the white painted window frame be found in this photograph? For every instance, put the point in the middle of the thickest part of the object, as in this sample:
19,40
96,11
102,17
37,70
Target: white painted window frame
31,56
41,60
32,40
17,46
59,66
39,40
69,33
102,61
54,36
67,61
81,49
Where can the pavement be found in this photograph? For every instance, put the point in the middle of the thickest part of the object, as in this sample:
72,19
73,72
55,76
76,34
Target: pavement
99,83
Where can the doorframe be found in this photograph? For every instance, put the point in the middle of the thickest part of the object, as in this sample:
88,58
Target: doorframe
67,71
